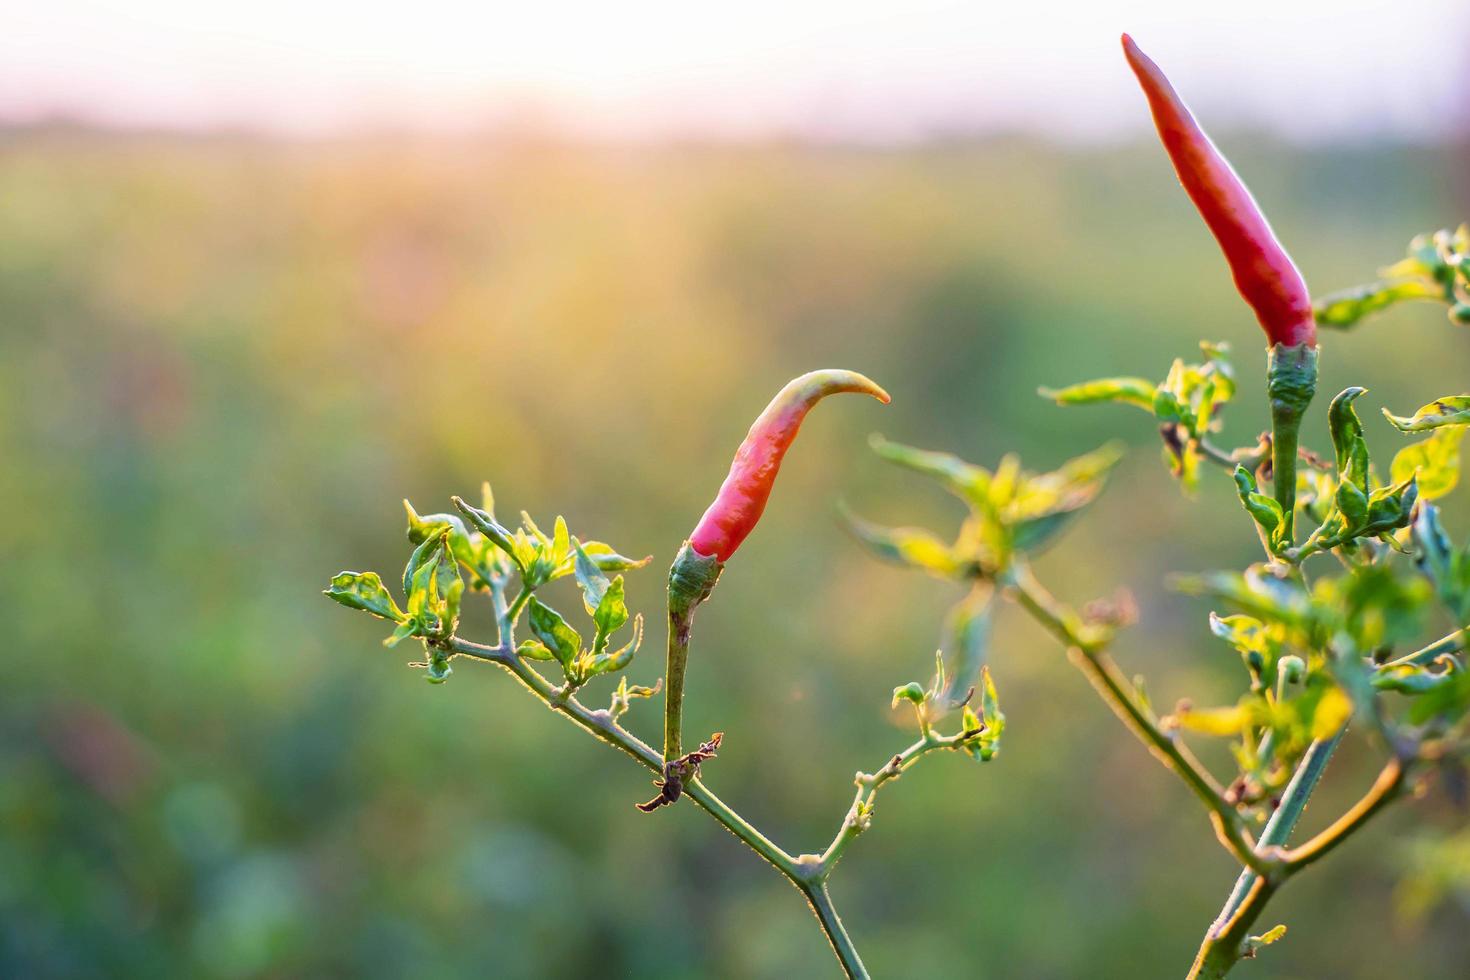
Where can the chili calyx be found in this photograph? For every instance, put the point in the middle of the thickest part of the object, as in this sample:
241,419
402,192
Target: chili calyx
1264,273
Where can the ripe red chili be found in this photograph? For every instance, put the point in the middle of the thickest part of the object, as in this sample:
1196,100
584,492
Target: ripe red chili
1264,273
742,497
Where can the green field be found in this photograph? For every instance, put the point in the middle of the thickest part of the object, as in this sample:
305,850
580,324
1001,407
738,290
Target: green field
224,362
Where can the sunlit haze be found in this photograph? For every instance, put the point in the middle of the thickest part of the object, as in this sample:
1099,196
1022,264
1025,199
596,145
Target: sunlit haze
824,69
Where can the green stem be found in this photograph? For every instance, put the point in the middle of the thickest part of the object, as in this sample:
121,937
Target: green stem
600,723
1384,791
847,954
1089,656
801,872
1291,381
1219,954
680,622
692,578
868,785
1283,473
513,613
1250,458
1223,943
1453,643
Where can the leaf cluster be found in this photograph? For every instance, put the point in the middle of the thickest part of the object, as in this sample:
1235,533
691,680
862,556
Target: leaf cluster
1436,268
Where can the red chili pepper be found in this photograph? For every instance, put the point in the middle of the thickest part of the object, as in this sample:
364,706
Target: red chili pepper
1264,273
743,495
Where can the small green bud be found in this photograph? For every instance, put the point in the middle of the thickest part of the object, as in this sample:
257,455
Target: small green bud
912,691
1292,668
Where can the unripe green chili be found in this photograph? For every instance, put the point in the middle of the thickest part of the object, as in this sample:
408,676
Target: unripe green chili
1264,274
731,518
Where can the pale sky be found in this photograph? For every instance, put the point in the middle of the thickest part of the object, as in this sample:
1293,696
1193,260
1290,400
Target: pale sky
840,69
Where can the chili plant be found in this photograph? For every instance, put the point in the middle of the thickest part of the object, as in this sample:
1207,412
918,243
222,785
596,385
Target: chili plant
472,551
1322,649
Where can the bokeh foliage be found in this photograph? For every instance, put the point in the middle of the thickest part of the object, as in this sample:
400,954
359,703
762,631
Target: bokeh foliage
224,363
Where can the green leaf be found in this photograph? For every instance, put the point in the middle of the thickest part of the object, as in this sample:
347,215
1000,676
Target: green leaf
365,591
438,668
1391,508
549,627
991,721
1347,307
421,529
608,560
452,598
909,546
624,695
1265,510
1380,607
1247,634
1257,643
1448,700
1411,679
1433,550
1131,391
1435,462
1042,505
611,613
473,553
536,532
426,554
1226,722
1266,938
1352,503
404,630
594,584
968,482
484,522
1262,590
534,650
1347,438
561,543
533,559
1444,565
990,712
1169,410
1449,410
1332,711
1181,456
1219,369
968,628
607,663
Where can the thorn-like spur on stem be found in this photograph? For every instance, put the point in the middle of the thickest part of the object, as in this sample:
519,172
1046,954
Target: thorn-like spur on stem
680,771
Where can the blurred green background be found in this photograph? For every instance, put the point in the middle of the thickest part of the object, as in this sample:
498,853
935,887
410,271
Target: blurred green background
224,362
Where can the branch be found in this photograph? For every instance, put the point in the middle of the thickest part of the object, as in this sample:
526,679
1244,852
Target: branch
1453,643
1385,790
868,784
1250,457
600,723
1220,952
1225,942
1086,648
821,902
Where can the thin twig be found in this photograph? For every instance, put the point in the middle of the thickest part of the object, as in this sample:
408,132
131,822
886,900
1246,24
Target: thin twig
1087,652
